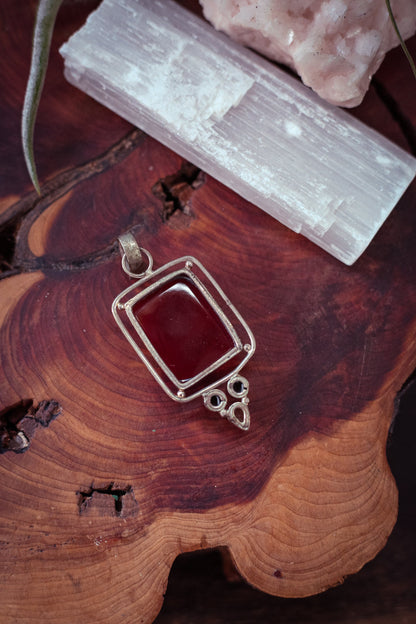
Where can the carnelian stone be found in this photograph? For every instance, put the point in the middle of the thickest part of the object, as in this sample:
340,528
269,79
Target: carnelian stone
183,328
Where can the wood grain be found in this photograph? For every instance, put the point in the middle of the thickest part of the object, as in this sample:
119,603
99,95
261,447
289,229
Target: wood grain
199,590
123,480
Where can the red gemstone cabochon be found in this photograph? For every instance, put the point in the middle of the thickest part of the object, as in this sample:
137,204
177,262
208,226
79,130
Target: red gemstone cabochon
183,328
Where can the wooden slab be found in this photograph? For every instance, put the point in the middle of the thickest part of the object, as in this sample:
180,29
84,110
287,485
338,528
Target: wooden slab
116,480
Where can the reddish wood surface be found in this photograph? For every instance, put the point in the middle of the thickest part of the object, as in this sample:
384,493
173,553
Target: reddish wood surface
121,480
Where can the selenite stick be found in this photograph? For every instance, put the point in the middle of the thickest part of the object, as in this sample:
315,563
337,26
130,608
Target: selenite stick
241,119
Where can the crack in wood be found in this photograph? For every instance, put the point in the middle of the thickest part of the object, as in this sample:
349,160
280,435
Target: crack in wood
109,500
78,264
19,422
16,221
63,182
176,190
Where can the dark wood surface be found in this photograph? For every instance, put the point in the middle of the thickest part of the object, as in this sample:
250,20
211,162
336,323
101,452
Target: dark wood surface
116,480
383,592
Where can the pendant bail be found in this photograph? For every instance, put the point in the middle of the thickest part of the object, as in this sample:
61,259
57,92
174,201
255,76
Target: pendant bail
133,258
131,250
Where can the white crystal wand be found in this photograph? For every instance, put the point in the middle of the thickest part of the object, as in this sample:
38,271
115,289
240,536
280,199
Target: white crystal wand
241,119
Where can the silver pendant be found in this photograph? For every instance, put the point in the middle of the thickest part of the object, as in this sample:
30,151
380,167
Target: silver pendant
186,331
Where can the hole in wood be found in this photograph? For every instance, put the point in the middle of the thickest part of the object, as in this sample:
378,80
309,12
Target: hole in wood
18,423
109,500
10,416
176,190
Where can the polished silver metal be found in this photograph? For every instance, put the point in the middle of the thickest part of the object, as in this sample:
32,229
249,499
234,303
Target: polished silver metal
241,422
132,255
219,404
147,270
234,383
228,366
232,412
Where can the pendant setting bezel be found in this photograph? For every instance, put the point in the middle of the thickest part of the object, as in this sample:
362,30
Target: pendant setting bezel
221,370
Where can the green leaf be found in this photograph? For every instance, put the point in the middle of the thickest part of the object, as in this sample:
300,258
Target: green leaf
45,20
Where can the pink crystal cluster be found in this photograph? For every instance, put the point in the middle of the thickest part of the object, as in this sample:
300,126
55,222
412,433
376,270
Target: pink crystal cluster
334,45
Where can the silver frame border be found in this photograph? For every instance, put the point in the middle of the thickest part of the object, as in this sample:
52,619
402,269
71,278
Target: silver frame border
188,262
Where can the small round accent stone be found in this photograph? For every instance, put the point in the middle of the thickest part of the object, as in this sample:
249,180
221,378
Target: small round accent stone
215,400
238,386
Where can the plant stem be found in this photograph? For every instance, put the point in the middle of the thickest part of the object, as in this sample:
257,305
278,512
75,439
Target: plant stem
45,20
402,43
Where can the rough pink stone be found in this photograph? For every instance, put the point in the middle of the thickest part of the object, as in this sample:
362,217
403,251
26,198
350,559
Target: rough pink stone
334,45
